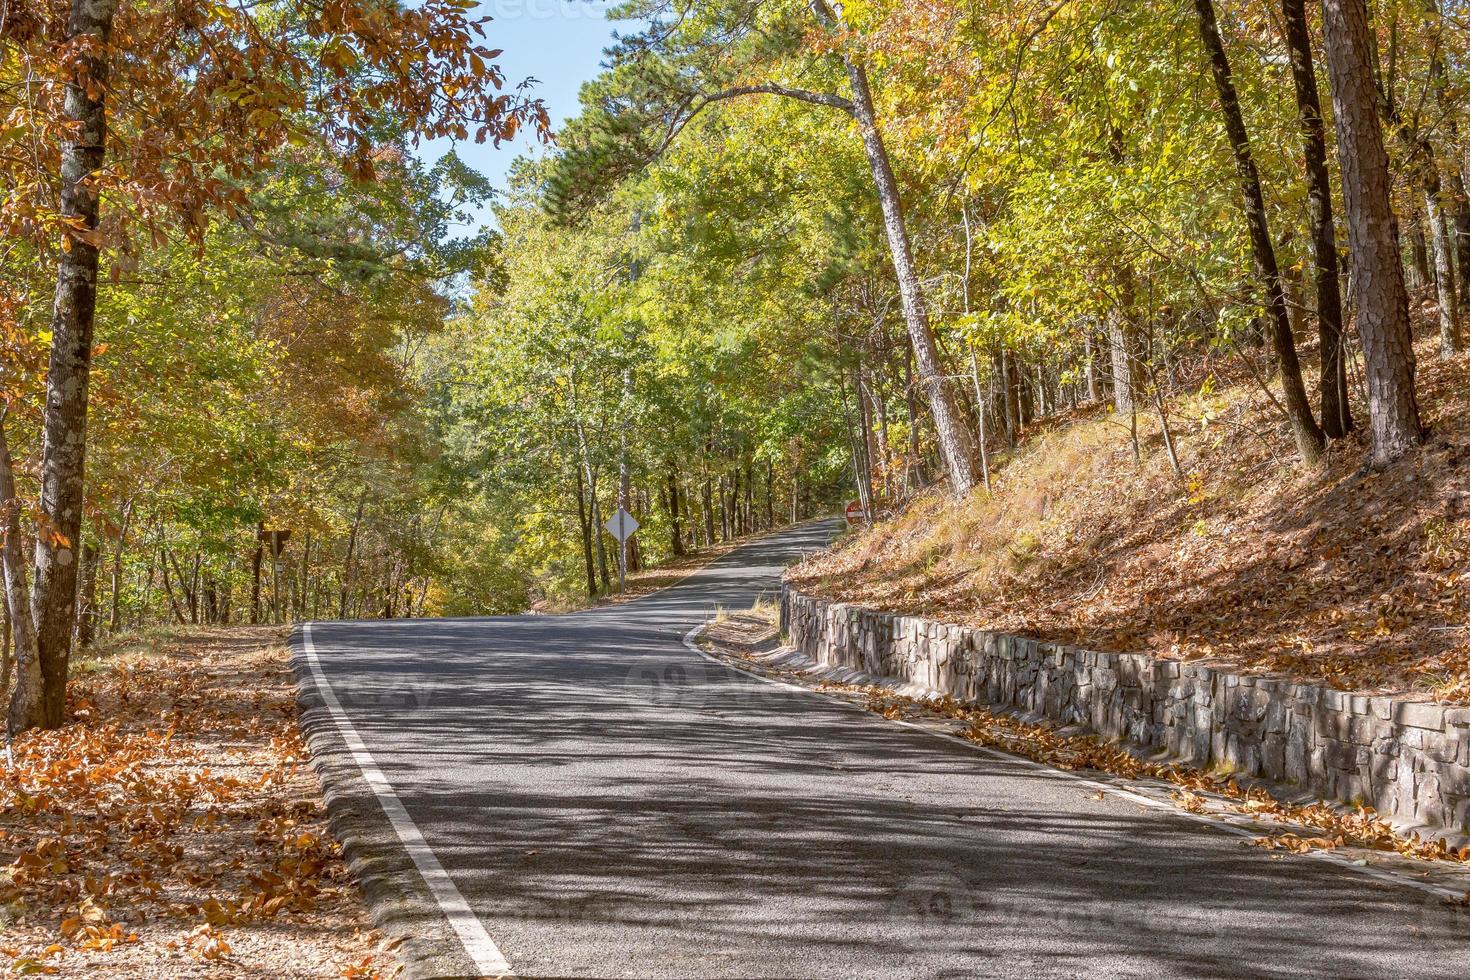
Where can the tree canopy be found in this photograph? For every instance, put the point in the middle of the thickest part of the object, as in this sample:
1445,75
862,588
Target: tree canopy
789,252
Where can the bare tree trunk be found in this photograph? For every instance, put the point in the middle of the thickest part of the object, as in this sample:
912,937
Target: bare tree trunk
676,533
1383,305
7,647
913,410
750,518
349,568
885,456
709,515
1441,237
1090,353
64,425
256,558
114,619
87,612
1444,269
980,415
770,505
861,468
597,534
27,703
189,603
1462,234
168,589
1337,419
1418,253
584,522
1123,347
1307,434
303,592
954,437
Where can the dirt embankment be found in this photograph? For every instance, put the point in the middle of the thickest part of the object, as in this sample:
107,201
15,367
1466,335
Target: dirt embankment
1357,578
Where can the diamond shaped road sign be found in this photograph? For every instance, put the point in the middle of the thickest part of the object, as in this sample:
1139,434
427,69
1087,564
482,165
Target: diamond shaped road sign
621,525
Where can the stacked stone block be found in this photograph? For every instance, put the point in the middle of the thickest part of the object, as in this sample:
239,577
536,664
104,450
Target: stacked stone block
1408,759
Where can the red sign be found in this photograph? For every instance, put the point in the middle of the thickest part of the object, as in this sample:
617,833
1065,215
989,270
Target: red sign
854,513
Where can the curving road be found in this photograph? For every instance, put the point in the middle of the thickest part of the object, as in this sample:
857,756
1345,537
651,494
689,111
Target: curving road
607,804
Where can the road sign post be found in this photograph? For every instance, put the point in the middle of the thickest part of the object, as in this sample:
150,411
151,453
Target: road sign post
621,526
276,541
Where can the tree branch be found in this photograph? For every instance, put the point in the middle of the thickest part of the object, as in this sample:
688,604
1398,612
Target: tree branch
766,88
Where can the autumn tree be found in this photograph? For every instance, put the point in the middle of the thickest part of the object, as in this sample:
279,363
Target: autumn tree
686,62
1305,431
161,110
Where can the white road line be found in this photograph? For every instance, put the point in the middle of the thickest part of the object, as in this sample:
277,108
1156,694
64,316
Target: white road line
478,945
1328,857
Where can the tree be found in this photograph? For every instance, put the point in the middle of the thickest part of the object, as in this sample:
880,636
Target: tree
685,101
1304,428
1337,420
198,99
1383,303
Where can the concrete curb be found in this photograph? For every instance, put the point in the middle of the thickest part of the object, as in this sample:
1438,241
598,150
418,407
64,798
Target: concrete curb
397,899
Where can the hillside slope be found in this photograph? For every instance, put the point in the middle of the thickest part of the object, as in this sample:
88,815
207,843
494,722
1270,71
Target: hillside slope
1357,577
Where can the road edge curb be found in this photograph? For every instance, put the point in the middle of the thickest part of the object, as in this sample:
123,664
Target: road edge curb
395,895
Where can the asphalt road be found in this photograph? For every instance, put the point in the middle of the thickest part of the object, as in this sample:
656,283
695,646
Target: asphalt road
610,805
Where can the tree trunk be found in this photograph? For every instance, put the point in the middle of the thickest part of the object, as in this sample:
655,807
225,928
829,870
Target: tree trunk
737,514
1337,420
584,522
1090,352
87,613
676,533
980,416
7,646
913,409
256,558
1123,347
770,495
1383,305
64,426
349,567
1000,374
114,619
28,702
170,561
1025,392
304,591
749,499
885,457
1462,235
1444,269
1418,253
709,514
954,436
1307,434
861,467
597,533
872,446
168,588
727,519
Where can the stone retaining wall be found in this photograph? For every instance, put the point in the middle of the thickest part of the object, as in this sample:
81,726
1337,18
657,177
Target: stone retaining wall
1408,759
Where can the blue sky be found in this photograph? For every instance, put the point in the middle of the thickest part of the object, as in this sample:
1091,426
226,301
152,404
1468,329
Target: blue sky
557,42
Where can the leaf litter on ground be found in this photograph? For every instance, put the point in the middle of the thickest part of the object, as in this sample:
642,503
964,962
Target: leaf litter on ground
173,828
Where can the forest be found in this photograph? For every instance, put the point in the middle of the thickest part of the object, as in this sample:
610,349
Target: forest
789,252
